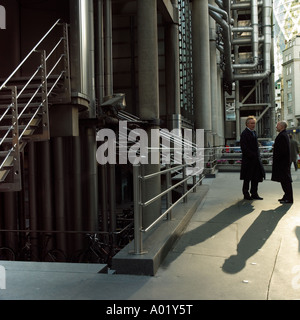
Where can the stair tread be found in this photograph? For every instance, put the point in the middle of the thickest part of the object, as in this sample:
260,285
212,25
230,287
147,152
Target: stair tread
33,123
3,153
8,162
3,175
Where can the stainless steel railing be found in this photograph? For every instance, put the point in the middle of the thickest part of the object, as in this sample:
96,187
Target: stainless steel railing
139,205
24,111
212,158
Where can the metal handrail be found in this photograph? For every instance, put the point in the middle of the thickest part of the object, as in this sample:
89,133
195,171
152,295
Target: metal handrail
138,178
29,54
38,98
174,204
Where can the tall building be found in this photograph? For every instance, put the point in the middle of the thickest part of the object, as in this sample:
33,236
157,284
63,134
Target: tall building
286,14
291,80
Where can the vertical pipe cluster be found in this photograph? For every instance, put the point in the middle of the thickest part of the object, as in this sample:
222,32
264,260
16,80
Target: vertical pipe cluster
223,17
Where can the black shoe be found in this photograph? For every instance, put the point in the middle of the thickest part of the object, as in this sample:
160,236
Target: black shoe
257,197
282,199
247,197
286,201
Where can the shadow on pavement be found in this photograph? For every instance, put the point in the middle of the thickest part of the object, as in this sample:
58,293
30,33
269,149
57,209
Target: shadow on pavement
254,238
211,227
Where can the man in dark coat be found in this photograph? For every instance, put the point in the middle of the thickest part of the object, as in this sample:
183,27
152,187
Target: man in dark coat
281,169
294,152
252,169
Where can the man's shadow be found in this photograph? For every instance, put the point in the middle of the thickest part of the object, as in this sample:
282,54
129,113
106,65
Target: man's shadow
210,228
254,238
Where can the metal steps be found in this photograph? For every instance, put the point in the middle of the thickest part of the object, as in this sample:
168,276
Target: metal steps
25,102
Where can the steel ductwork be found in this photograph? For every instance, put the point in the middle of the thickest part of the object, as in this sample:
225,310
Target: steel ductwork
222,16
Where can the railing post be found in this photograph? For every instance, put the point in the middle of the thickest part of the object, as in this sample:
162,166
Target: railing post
67,77
169,194
138,241
16,147
194,182
44,86
184,170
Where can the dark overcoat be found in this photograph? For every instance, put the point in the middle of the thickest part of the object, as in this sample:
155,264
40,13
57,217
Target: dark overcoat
294,150
281,167
251,168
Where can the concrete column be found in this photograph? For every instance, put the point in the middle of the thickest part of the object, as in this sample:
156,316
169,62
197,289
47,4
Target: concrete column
149,92
201,68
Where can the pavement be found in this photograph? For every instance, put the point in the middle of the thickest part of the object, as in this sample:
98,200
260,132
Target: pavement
231,249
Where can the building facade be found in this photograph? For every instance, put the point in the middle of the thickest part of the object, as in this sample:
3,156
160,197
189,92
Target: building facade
291,80
69,69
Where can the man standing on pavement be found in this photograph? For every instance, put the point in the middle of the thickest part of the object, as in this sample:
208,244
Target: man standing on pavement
294,152
281,169
252,169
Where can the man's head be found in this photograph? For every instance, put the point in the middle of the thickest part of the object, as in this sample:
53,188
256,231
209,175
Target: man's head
281,125
251,122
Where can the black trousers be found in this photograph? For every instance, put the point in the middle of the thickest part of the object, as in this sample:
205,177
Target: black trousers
287,188
253,189
295,163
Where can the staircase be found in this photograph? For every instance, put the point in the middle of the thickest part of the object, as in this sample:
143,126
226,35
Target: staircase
25,102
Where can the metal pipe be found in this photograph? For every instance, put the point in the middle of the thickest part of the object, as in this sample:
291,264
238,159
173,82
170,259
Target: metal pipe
10,219
244,5
33,219
227,43
100,93
148,77
76,192
201,67
92,181
108,49
104,211
214,73
82,48
99,62
46,190
254,30
138,243
267,31
112,197
60,219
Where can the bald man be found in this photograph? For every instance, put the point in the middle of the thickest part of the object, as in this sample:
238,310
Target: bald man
281,169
